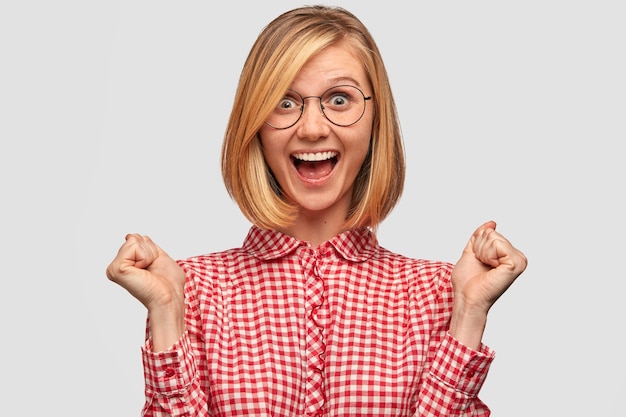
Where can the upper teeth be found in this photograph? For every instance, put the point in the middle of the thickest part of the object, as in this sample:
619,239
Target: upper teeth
312,157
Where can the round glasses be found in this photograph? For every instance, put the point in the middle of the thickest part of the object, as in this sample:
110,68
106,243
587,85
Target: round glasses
342,105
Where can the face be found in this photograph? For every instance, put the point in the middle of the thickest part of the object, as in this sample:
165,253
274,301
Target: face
316,162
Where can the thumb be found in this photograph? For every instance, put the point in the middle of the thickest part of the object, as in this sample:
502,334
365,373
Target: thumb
478,245
137,253
480,230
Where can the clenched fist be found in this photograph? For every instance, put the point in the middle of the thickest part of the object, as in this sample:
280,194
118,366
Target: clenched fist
156,280
487,267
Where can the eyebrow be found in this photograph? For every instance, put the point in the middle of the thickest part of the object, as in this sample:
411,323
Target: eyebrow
344,80
340,80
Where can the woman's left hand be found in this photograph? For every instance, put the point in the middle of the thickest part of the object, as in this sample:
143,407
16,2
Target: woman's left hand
488,266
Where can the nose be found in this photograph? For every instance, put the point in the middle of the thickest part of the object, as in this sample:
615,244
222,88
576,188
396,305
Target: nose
313,125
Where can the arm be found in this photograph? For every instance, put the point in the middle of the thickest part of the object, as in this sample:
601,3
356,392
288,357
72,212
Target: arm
156,280
172,381
453,373
459,361
488,266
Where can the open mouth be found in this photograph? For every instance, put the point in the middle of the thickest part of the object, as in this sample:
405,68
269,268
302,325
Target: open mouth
314,165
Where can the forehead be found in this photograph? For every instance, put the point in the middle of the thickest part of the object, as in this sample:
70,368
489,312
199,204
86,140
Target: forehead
335,64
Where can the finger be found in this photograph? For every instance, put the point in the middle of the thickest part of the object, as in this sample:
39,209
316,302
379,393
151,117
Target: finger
497,251
490,250
477,235
485,244
141,251
137,252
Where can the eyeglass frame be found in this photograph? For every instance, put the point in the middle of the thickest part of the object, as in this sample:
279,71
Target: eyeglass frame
365,99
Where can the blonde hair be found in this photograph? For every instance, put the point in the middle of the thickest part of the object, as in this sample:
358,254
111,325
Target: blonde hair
278,54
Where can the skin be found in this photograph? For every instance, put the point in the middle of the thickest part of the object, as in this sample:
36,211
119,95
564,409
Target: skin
488,265
323,204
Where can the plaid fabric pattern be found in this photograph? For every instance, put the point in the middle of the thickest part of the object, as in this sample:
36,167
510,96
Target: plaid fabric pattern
277,328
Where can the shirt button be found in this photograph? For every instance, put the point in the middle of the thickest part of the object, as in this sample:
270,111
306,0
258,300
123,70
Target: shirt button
170,372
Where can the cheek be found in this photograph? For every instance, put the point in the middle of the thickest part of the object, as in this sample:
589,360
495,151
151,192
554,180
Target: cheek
262,135
267,144
272,152
362,146
273,139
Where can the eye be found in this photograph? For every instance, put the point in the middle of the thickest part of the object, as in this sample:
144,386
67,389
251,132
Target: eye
287,103
338,100
291,101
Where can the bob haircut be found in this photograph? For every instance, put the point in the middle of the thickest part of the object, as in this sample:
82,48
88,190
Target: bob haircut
278,54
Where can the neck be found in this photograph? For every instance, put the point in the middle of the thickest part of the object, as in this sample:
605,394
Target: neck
314,228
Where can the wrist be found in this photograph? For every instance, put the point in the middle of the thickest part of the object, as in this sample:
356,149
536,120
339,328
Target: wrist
167,325
467,324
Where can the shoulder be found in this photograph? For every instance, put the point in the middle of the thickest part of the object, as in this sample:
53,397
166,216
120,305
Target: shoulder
416,270
212,261
212,265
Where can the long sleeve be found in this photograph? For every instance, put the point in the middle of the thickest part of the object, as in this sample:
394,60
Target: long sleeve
455,373
176,381
278,328
172,383
455,378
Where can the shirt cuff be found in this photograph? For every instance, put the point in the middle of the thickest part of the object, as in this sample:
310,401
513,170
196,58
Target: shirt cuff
169,373
460,367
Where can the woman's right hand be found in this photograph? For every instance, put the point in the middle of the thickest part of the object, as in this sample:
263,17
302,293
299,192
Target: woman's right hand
157,281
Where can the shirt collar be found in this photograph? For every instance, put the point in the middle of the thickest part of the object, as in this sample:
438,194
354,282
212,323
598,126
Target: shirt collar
353,245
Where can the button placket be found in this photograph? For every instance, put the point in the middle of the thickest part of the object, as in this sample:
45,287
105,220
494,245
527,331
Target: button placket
316,345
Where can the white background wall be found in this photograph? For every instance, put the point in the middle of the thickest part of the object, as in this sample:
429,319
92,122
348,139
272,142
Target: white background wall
111,119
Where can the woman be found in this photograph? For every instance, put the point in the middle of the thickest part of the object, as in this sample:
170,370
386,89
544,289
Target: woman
311,316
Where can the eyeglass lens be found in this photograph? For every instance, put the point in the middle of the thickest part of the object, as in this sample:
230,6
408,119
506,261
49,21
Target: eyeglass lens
343,105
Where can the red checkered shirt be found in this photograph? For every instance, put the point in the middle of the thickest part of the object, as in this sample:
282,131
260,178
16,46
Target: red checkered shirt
277,328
